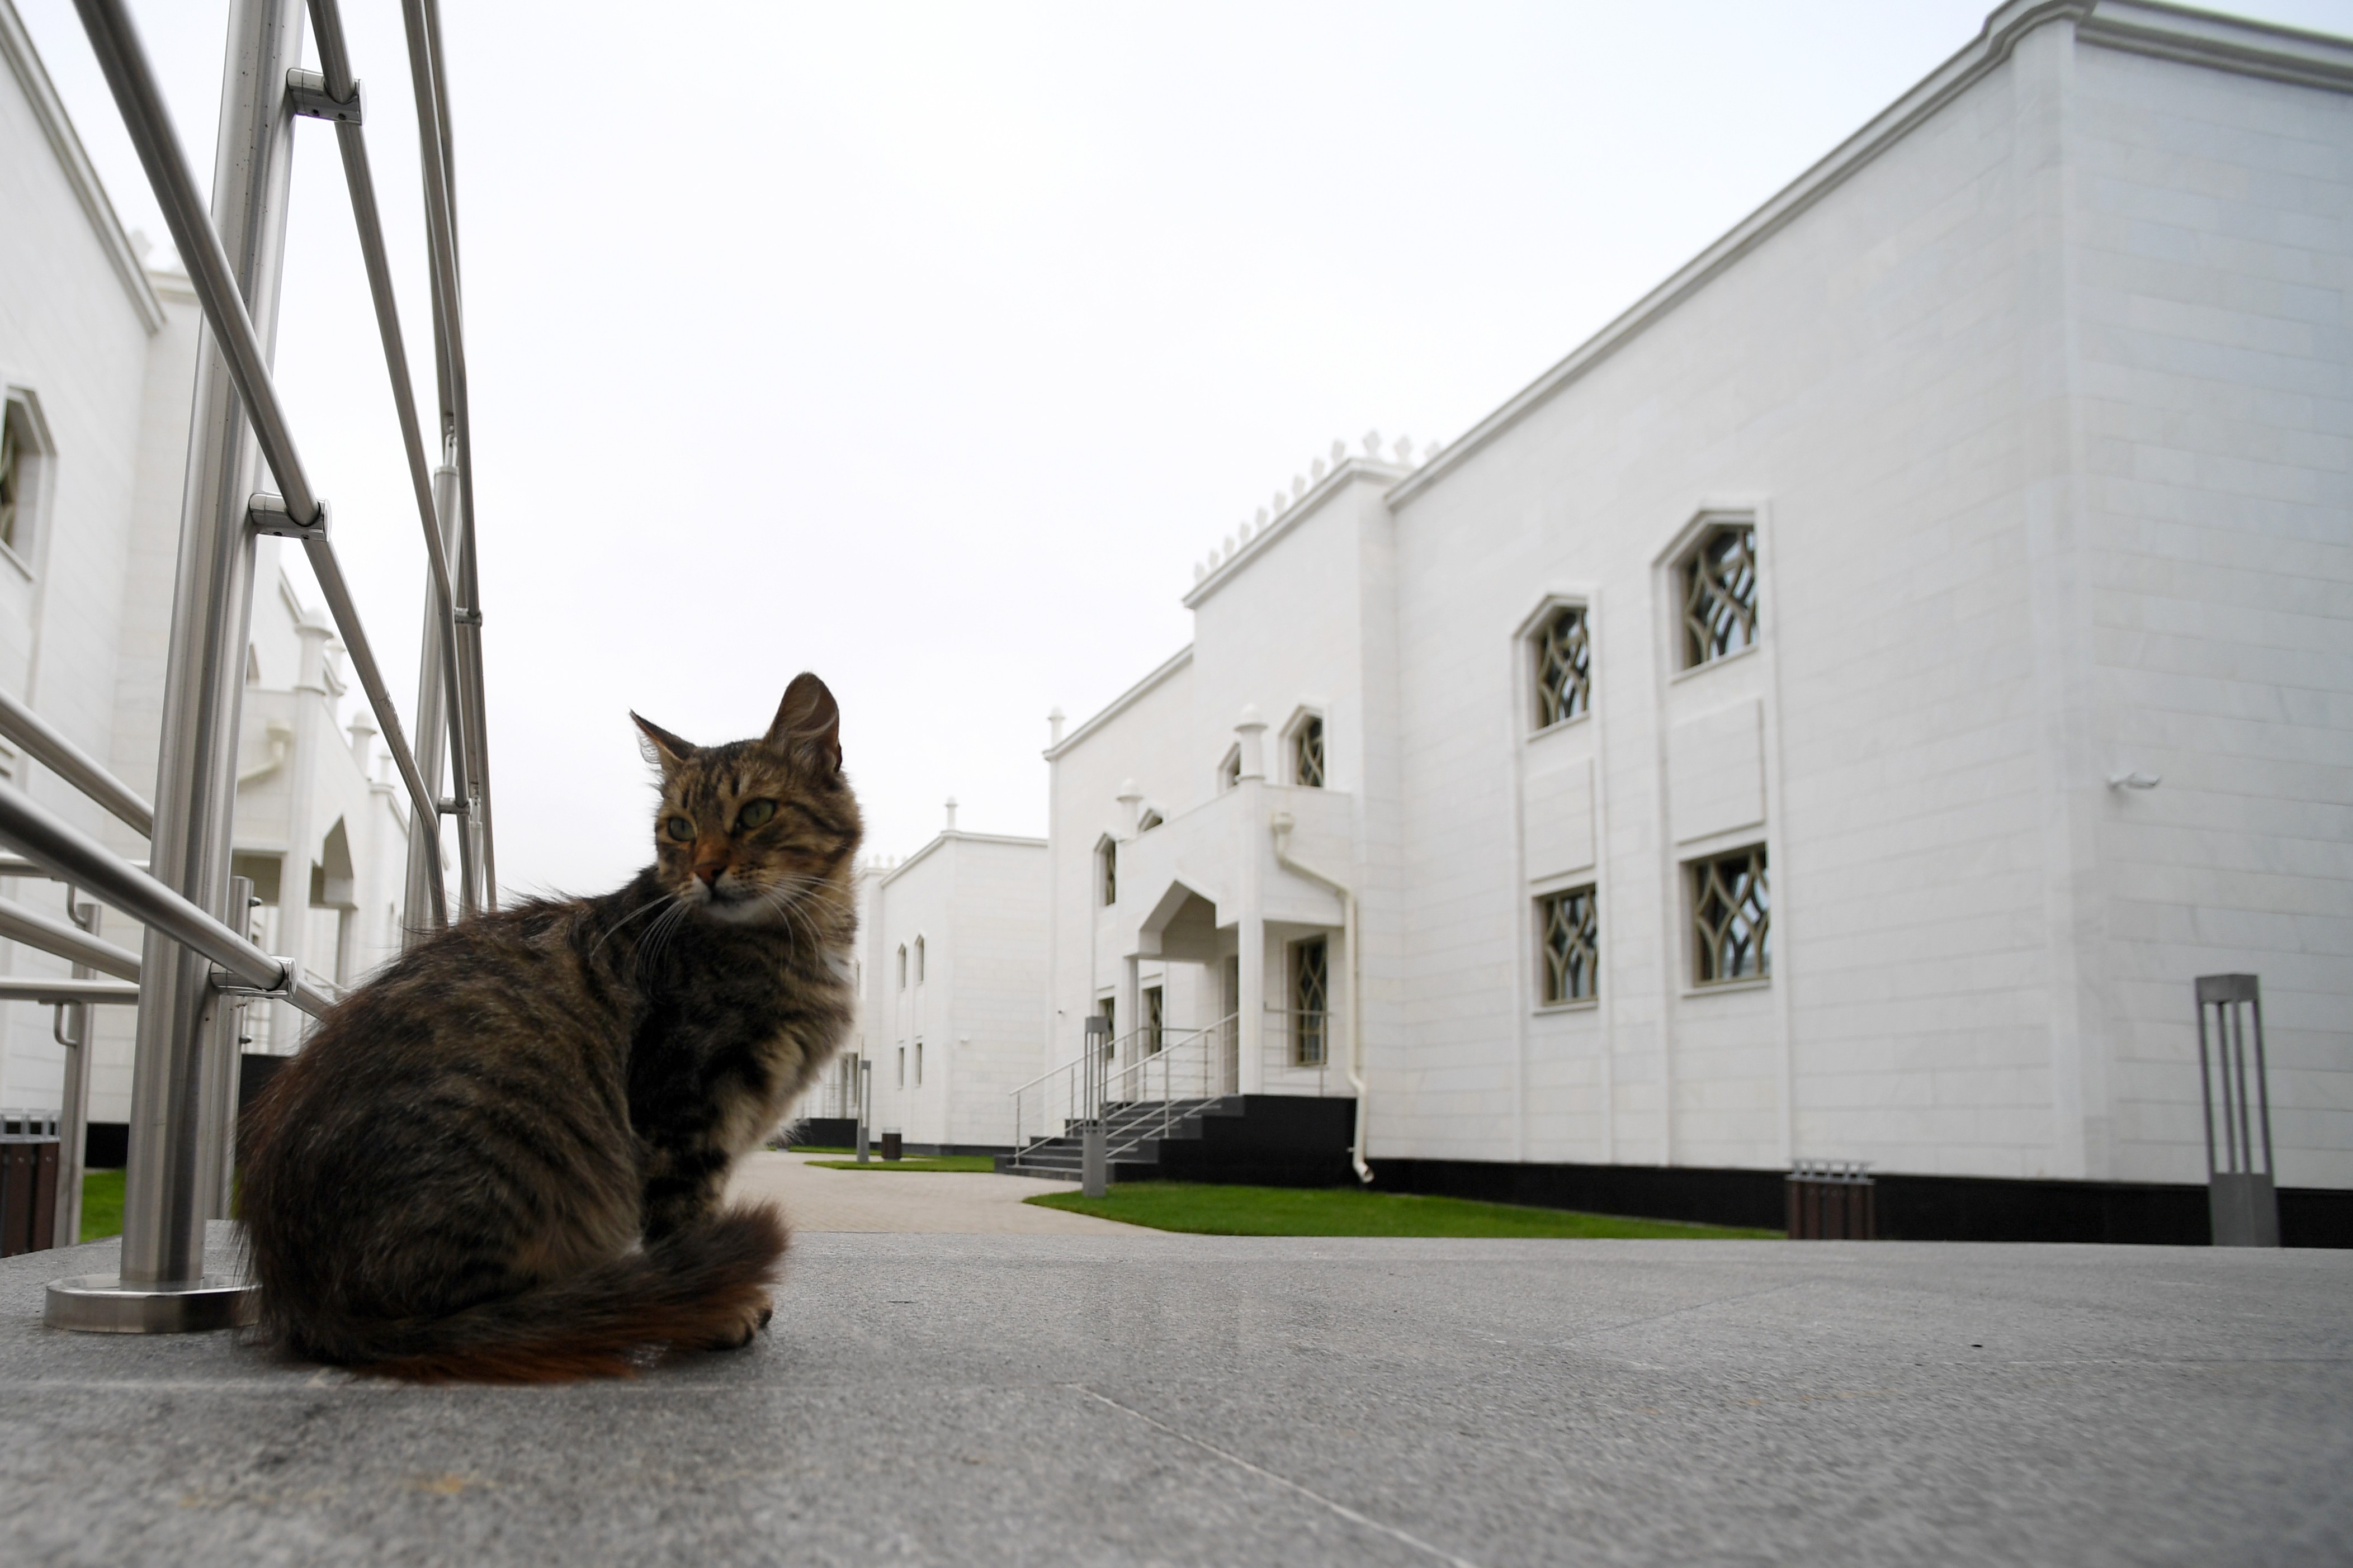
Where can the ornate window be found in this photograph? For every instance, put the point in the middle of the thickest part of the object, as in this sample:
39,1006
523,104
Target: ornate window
918,965
1570,930
1310,992
12,475
902,1067
1229,772
1307,751
1154,1019
902,966
22,451
1111,1027
1732,915
1720,595
1107,872
1564,657
919,1064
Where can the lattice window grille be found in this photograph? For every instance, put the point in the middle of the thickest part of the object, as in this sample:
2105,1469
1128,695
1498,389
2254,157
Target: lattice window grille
11,478
1310,992
1307,753
1572,946
1720,595
1154,1019
1564,669
1732,917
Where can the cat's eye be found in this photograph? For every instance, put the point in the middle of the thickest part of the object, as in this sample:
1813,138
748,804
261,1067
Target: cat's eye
679,828
753,815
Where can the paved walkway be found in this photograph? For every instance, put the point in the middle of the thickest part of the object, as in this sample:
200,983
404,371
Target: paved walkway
817,1200
1143,1398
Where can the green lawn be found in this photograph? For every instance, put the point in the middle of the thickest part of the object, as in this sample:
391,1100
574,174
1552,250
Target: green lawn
101,1204
1352,1211
913,1162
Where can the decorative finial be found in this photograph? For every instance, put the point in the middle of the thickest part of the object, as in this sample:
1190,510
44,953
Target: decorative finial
1405,451
1261,517
1339,453
951,828
1298,486
1373,445
1430,452
1244,534
1054,723
1199,571
1315,470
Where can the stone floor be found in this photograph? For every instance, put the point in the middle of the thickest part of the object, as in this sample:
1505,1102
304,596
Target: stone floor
963,1202
1133,1397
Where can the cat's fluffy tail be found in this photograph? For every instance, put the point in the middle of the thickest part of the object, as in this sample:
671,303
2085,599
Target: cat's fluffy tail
699,1289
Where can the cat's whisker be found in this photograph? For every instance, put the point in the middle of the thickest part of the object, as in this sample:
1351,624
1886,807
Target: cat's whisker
658,903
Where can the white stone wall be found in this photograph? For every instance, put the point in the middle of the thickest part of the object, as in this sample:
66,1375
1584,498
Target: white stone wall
976,903
2036,395
2212,246
76,319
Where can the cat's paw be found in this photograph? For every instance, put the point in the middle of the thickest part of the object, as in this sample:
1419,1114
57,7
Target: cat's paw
746,1327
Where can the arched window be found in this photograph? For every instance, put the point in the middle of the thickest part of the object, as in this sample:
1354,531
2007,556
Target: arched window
902,966
1719,588
1564,667
1148,821
919,960
1107,872
1307,751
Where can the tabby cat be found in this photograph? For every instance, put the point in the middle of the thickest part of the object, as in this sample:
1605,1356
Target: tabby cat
503,1158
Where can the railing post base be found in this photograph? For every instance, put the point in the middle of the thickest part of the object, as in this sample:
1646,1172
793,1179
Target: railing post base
103,1304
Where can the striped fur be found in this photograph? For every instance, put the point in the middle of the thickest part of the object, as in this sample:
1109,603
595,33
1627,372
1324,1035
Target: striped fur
503,1158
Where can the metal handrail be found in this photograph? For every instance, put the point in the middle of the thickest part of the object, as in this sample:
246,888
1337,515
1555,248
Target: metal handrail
51,934
132,81
359,179
49,745
1124,1084
436,160
67,993
18,866
74,857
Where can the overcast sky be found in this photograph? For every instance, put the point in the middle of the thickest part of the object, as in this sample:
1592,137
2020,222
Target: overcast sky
927,348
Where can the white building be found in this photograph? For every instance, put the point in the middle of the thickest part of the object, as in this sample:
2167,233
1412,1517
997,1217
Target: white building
1736,742
953,974
97,369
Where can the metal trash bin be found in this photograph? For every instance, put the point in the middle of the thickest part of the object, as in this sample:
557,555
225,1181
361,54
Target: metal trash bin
1831,1200
29,1154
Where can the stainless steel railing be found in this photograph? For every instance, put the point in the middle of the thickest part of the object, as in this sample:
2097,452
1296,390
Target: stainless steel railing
1190,1065
195,970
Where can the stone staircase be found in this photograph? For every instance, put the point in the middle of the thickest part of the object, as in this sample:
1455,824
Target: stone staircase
1268,1139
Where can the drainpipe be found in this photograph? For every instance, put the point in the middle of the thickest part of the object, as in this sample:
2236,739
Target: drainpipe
1283,823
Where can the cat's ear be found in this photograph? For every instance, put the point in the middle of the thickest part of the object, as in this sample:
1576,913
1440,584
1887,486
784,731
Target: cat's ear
808,726
664,750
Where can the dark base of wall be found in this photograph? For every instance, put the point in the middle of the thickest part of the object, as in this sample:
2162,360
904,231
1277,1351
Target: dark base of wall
936,1151
105,1145
825,1133
1910,1208
1260,1141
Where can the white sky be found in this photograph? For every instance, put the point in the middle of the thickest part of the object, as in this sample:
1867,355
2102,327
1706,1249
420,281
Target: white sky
928,347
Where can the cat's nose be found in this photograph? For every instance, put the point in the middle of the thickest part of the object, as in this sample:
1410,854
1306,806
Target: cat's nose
711,873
